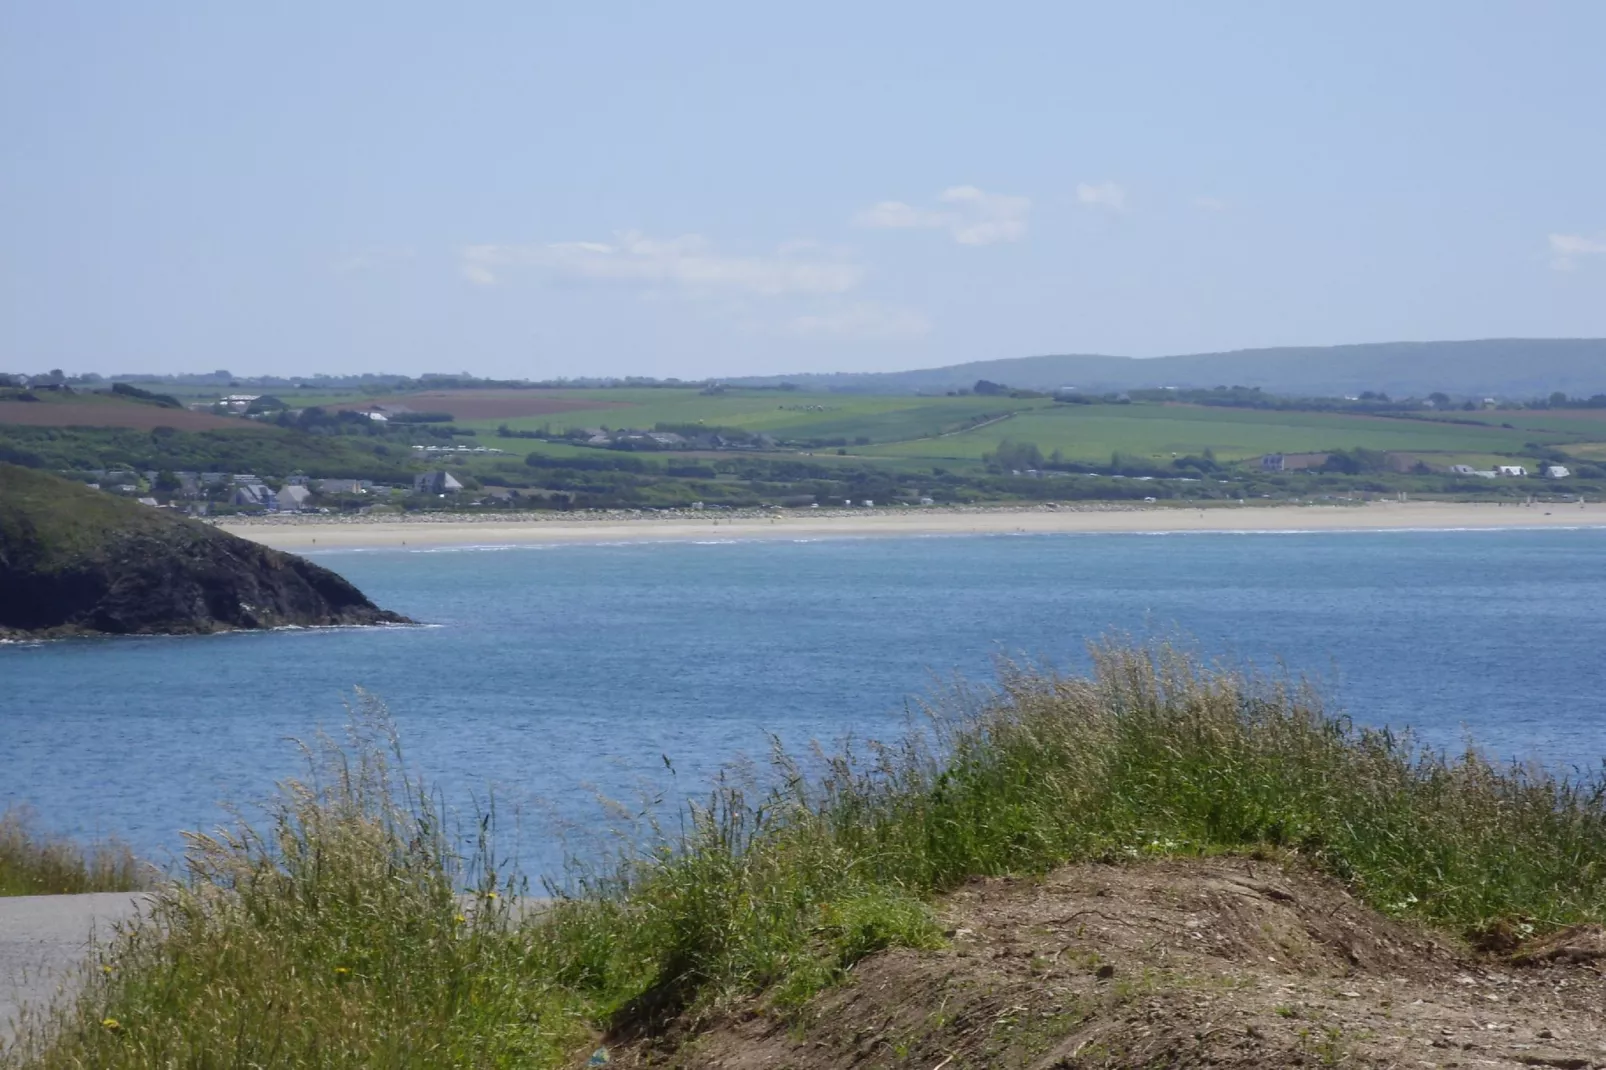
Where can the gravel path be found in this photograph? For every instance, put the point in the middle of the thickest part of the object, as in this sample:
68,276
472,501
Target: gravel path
44,937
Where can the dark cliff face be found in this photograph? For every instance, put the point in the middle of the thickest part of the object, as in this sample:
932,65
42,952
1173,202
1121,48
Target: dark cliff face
84,565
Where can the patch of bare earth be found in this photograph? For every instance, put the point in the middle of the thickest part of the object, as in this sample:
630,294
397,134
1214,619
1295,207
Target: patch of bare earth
1186,963
109,414
486,404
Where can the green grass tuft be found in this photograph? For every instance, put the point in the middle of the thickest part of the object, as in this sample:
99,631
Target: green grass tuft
334,938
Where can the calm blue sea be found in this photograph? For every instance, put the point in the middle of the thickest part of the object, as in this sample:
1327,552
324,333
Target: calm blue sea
550,674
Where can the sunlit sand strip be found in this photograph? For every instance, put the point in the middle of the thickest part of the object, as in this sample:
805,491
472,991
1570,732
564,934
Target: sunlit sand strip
308,533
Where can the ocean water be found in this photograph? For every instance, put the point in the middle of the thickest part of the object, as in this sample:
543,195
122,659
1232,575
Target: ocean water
550,675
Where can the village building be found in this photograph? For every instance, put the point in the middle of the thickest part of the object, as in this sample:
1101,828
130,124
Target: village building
255,496
344,486
293,498
436,483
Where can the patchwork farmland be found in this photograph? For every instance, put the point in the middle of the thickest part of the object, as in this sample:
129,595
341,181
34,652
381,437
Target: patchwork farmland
675,446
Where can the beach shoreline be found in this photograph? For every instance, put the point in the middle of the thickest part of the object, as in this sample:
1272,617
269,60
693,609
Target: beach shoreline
310,532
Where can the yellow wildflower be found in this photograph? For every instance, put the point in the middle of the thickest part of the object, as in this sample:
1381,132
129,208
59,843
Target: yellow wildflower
111,1024
107,970
460,919
341,971
491,895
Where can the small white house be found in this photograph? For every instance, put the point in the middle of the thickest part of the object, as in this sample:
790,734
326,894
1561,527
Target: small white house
1463,470
1515,471
1557,471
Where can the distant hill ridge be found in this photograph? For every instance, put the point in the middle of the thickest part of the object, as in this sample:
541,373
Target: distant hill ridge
1501,367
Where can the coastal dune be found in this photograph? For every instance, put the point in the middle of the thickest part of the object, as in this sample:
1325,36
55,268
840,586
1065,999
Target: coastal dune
317,532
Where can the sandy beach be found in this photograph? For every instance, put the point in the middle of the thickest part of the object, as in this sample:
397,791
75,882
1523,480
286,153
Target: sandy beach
317,532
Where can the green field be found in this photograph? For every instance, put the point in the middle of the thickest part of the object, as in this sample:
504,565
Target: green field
940,428
964,429
785,415
1579,423
1092,433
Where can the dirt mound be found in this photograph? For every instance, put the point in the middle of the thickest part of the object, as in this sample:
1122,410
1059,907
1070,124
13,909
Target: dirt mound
1580,944
1224,963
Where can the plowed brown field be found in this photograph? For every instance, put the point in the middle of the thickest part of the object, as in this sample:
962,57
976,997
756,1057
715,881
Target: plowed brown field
116,414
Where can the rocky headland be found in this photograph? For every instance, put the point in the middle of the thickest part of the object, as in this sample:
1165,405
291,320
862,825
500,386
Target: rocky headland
76,561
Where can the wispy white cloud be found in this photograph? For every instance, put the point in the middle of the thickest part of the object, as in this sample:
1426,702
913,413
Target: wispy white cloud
687,263
1566,249
989,217
972,216
893,215
1101,195
861,319
1210,204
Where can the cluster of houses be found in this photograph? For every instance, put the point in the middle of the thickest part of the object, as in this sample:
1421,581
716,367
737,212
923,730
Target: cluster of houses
670,440
236,403
1511,471
456,449
1405,462
298,494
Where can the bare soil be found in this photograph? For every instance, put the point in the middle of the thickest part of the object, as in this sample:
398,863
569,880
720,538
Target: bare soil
1232,963
487,404
111,414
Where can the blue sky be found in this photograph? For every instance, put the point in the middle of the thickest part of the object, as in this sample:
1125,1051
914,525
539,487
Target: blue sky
534,189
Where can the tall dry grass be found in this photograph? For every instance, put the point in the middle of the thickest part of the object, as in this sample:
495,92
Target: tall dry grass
338,936
35,863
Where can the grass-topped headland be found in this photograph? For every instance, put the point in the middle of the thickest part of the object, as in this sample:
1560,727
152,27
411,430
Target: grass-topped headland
33,862
75,561
333,935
